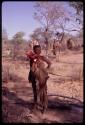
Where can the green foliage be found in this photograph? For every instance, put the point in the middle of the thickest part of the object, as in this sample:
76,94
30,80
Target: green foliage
16,44
18,37
40,35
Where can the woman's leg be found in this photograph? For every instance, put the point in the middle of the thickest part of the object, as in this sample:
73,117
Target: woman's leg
45,99
32,79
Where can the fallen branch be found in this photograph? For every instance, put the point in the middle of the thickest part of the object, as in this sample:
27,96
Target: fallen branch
70,62
70,77
65,97
58,74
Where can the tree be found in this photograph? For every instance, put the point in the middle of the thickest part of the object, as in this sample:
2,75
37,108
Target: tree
5,41
76,19
16,44
37,34
18,37
78,6
53,16
48,13
4,35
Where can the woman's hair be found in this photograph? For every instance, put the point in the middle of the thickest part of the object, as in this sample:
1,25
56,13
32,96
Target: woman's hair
36,46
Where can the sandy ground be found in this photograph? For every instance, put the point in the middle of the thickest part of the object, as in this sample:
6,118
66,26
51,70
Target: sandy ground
65,96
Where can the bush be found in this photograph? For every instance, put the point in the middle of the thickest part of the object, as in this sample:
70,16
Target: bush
5,73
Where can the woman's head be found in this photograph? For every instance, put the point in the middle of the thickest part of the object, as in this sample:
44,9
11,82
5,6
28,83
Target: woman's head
37,49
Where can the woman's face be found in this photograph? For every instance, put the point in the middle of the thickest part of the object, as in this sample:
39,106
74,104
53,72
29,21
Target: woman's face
38,50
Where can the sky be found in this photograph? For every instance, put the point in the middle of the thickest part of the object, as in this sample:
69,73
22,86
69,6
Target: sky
18,16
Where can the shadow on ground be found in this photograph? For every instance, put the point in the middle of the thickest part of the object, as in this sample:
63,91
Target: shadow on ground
14,109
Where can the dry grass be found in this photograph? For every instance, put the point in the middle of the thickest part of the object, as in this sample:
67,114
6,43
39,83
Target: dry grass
5,73
77,74
16,73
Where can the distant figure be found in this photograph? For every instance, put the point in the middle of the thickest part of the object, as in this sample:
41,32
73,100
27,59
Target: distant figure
58,46
69,44
8,52
54,47
35,42
38,73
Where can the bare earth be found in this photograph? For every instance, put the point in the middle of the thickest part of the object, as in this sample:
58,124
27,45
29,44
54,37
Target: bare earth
65,96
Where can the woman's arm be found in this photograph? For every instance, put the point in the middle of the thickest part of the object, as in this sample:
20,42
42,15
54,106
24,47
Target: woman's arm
46,60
